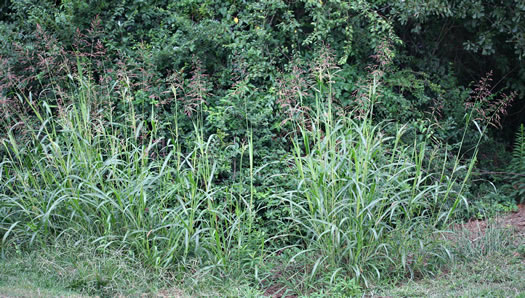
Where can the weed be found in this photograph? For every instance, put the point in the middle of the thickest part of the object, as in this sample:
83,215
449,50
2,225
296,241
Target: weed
359,204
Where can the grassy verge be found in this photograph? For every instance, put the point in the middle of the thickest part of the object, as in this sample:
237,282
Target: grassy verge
359,204
78,269
498,275
491,264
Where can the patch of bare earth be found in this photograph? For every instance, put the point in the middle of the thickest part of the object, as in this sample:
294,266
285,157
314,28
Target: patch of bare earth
277,291
514,221
172,293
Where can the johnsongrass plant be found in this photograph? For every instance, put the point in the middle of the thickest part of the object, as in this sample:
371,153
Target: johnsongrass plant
112,183
368,204
360,204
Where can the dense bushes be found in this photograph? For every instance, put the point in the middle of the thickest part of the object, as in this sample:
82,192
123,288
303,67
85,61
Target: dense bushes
259,41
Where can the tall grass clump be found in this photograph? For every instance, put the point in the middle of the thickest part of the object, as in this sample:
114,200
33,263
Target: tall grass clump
365,203
118,184
368,205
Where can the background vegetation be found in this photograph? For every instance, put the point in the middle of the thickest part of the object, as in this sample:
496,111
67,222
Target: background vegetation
323,142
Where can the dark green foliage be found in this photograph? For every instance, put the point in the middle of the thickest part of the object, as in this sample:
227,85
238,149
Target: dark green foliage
257,40
517,166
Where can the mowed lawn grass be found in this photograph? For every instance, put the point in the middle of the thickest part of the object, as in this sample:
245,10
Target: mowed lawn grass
499,275
488,262
74,269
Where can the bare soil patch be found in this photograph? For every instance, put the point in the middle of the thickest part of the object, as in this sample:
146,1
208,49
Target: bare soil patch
513,220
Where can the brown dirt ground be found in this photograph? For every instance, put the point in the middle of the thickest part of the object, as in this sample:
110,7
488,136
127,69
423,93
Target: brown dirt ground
513,220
